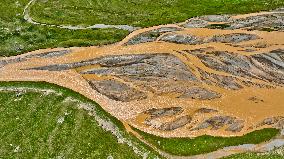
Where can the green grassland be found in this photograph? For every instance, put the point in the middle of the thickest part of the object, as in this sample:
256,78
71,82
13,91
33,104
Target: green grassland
256,156
277,153
140,12
17,36
206,143
48,125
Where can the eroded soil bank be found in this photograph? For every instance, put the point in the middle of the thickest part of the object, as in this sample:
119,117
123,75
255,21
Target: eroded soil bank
220,75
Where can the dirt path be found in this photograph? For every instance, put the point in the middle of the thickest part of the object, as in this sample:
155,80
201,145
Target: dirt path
28,18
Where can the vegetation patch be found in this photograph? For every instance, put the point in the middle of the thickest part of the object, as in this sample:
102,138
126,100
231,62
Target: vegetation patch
275,154
42,120
140,12
18,36
268,29
218,26
206,143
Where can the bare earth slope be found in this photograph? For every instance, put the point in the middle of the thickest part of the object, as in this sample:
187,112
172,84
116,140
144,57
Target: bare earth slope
219,75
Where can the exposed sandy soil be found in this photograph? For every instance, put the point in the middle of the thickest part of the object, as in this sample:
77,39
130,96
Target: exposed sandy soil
237,73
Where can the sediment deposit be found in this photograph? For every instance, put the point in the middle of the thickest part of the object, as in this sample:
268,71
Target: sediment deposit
219,75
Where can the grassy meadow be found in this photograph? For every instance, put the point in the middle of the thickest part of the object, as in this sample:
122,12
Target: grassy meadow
141,13
42,120
18,36
206,143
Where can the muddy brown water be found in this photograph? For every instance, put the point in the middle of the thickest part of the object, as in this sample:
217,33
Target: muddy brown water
232,102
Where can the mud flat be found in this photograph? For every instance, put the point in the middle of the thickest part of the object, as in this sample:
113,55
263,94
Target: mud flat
220,75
